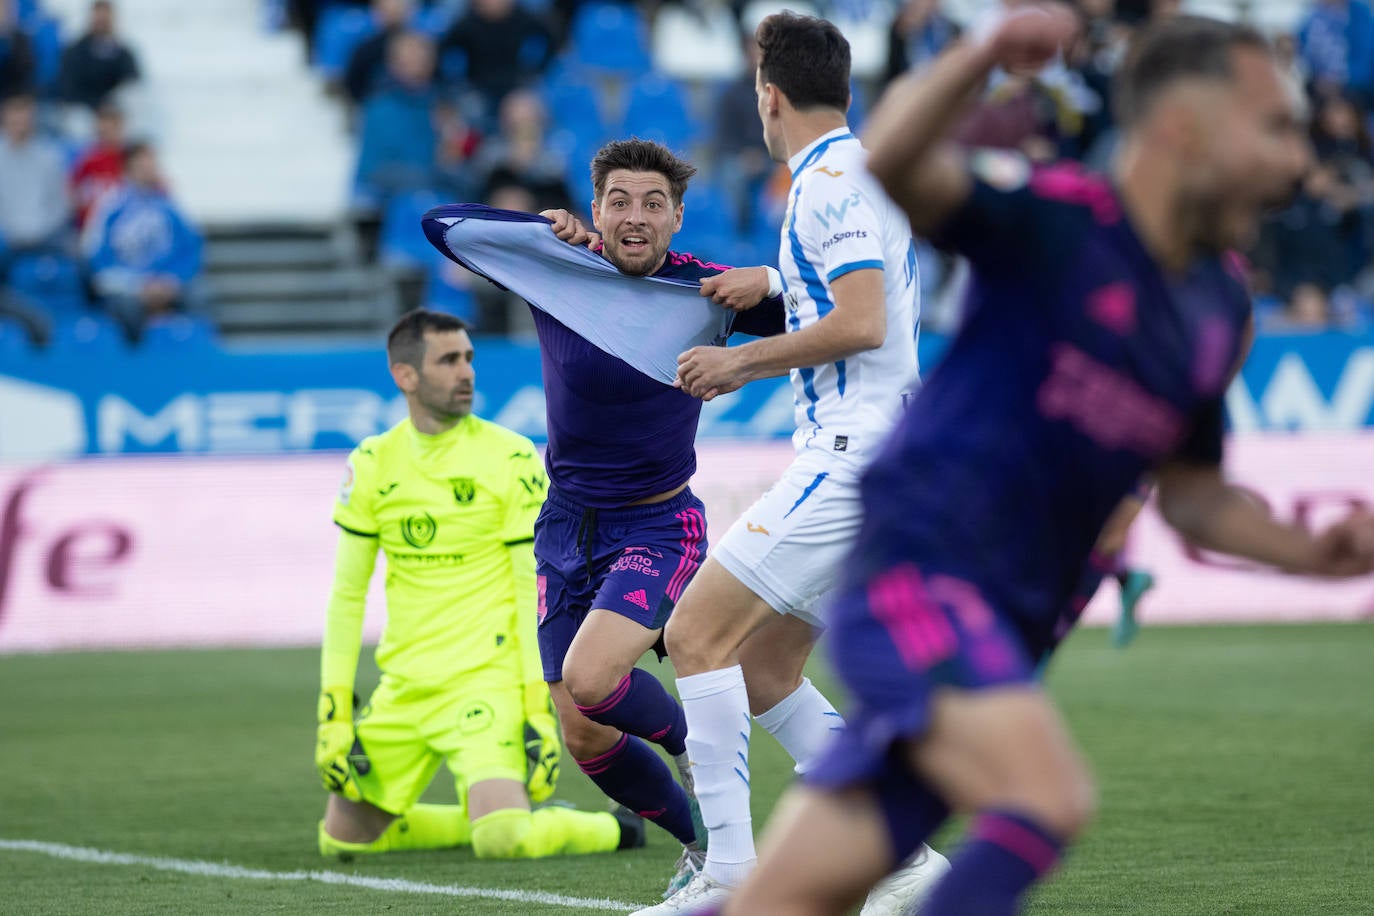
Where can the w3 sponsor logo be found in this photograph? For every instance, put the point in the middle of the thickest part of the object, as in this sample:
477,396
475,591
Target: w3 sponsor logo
837,214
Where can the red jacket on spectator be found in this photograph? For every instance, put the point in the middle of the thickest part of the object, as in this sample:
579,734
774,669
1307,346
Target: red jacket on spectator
98,170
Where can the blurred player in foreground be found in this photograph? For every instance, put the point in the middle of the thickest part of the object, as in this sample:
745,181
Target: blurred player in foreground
747,623
451,499
1102,329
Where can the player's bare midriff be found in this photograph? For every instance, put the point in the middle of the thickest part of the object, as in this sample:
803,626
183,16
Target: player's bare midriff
658,497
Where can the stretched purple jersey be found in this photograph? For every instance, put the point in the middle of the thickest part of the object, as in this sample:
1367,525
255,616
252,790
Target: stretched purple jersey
615,434
1080,366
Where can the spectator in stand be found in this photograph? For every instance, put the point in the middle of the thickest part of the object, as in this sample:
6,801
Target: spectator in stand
741,158
519,155
305,16
459,142
143,255
1313,251
97,63
400,142
500,311
1336,43
505,46
101,167
1306,249
1308,309
367,66
16,54
919,32
1017,113
35,213
33,206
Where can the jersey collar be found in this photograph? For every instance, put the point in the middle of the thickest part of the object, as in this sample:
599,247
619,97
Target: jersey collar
425,442
816,148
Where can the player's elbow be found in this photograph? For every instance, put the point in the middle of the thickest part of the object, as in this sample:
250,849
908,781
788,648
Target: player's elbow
868,335
886,165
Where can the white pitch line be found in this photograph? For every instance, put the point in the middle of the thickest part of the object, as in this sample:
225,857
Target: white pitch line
400,885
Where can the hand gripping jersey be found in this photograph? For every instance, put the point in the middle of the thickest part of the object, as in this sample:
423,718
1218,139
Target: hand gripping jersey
1081,366
838,221
618,430
444,509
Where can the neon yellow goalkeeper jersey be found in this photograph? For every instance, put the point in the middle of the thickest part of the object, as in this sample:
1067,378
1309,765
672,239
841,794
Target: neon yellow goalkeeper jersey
444,509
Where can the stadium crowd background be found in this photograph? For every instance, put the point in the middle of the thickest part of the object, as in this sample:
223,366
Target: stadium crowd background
504,102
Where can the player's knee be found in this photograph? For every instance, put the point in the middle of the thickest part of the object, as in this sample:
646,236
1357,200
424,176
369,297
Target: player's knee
354,822
590,688
501,834
584,739
1069,809
1081,806
691,654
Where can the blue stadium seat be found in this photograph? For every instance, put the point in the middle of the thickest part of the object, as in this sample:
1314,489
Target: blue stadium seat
657,110
576,153
611,37
708,224
51,280
573,105
88,335
402,243
25,11
340,29
435,20
445,293
45,34
14,339
178,333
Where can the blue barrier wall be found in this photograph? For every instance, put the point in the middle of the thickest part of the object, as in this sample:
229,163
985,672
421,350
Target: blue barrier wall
236,402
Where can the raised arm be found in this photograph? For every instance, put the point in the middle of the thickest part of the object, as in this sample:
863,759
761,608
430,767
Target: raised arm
906,136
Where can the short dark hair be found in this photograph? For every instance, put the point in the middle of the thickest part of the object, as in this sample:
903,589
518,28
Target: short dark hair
638,155
1177,49
807,58
406,342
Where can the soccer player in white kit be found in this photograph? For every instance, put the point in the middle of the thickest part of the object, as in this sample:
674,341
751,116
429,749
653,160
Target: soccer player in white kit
743,629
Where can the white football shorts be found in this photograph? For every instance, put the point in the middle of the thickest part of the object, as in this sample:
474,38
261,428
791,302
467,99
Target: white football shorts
788,546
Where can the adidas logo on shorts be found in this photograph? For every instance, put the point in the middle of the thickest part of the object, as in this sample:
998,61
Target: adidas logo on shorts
638,598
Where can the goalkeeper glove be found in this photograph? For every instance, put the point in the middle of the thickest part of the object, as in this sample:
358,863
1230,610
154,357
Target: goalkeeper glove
338,752
542,746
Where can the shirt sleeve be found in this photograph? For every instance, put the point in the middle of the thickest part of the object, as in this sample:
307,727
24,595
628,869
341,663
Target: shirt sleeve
839,219
766,319
354,560
353,510
1204,443
996,227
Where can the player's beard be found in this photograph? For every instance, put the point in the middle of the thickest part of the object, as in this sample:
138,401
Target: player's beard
642,263
446,403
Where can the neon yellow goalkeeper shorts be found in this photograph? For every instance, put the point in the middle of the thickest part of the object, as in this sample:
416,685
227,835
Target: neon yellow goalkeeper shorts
478,728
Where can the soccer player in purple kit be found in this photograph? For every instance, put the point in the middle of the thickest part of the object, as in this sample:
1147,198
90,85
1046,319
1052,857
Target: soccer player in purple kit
621,534
1102,329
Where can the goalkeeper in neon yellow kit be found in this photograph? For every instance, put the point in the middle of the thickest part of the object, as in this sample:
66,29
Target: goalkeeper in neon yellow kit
451,499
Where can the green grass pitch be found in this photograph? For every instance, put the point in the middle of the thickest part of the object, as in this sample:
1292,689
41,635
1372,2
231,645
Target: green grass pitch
1235,766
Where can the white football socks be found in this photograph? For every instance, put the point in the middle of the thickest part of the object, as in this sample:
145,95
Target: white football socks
803,722
718,725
